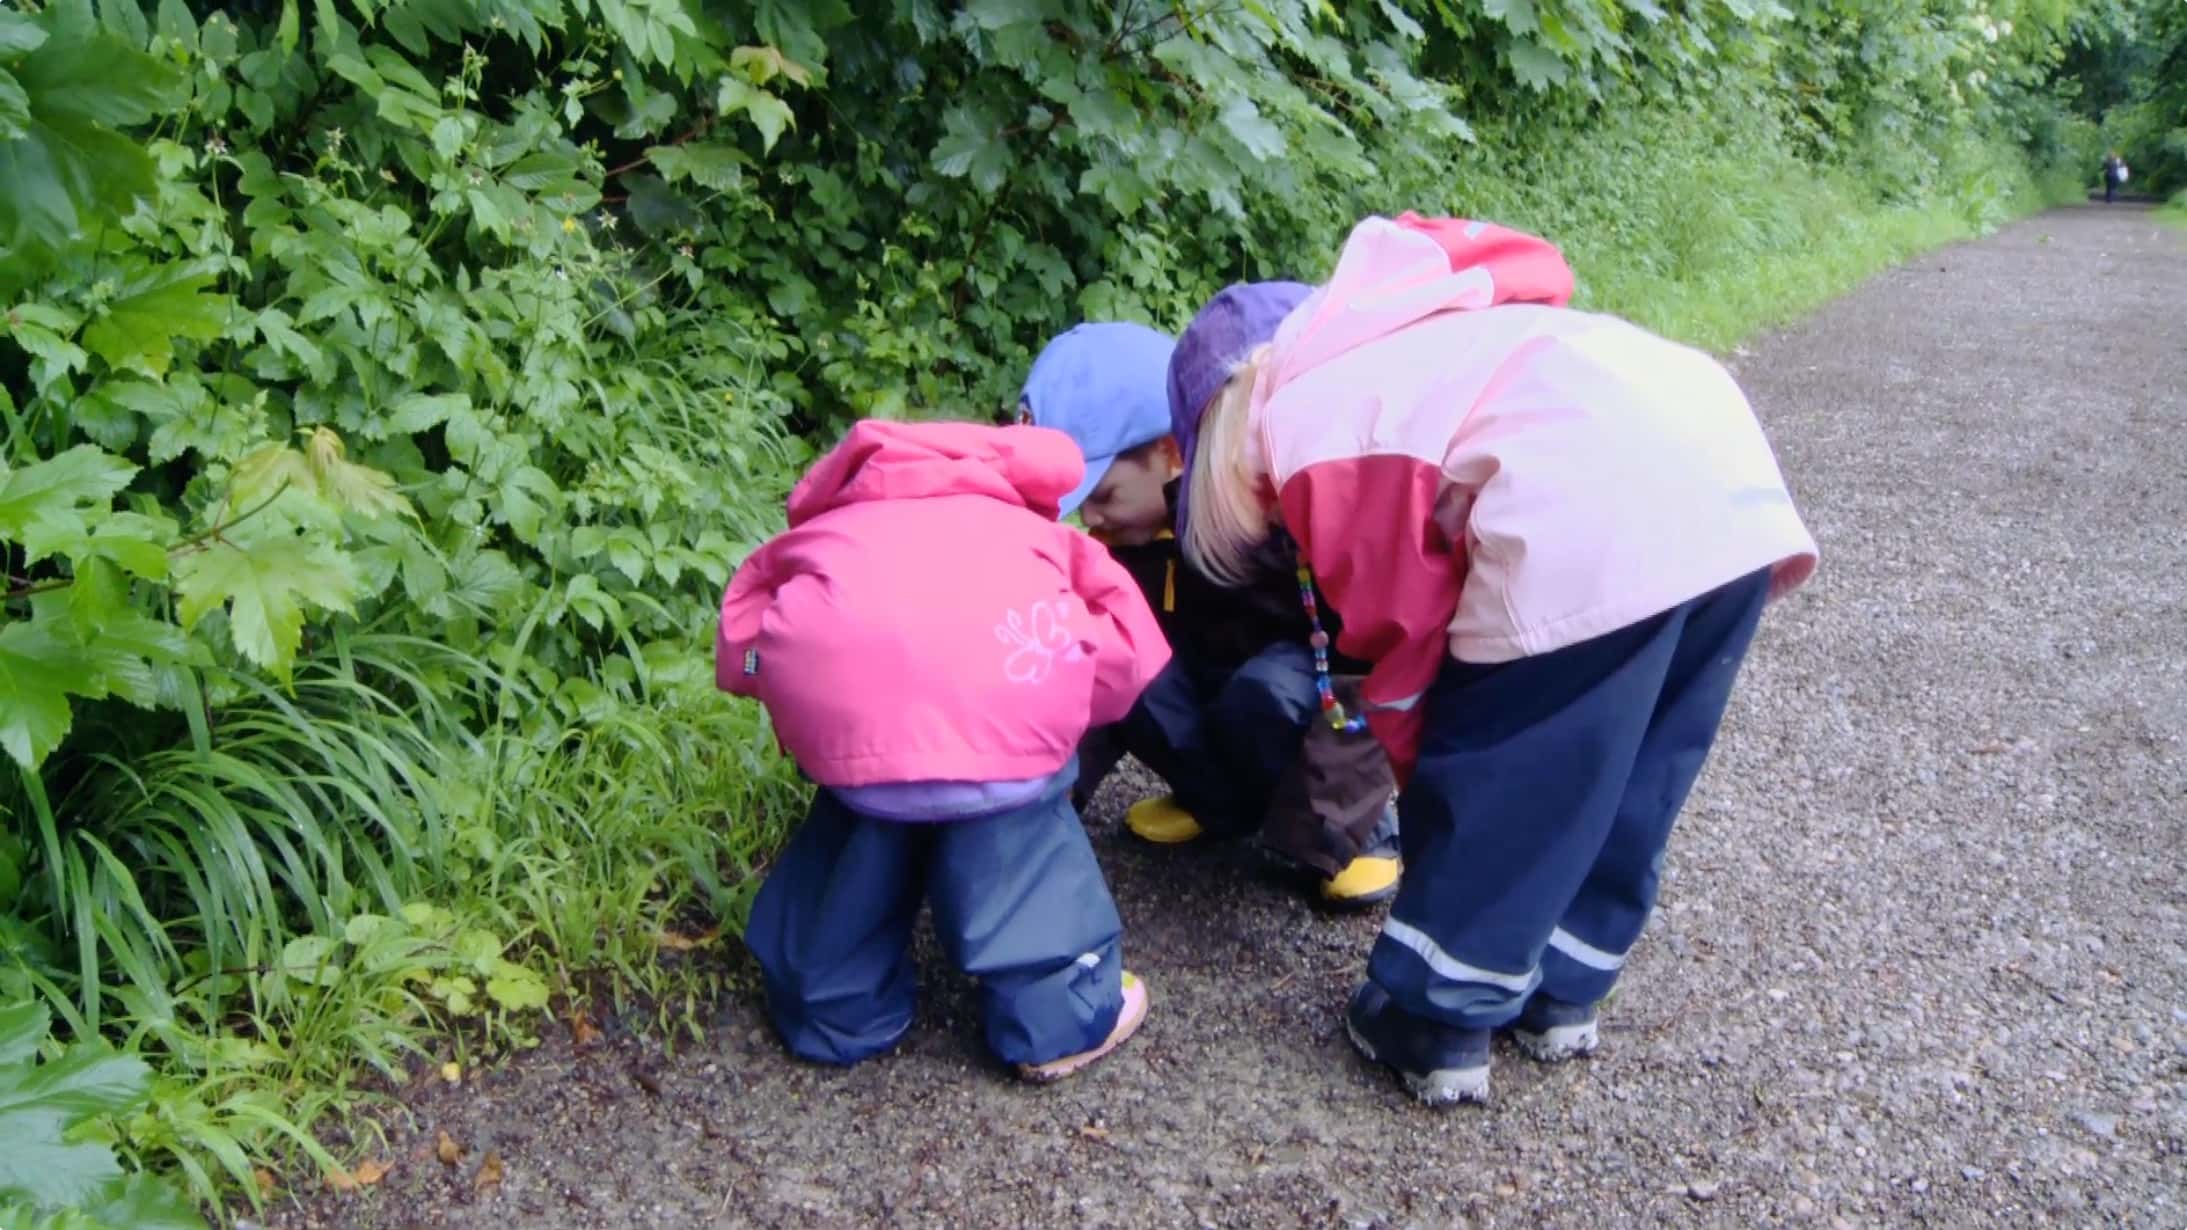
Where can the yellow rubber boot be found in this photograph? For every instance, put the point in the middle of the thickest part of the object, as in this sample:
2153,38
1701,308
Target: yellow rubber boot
1368,880
1371,878
1161,821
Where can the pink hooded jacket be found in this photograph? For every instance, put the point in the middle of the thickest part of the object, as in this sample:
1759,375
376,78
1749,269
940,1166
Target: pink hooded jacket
924,618
1475,471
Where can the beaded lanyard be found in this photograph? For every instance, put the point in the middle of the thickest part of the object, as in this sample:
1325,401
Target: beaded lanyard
1331,707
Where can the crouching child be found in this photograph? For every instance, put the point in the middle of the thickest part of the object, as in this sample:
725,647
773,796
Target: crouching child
931,646
1246,725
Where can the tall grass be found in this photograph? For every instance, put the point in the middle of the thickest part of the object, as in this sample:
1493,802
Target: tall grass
1710,225
281,810
195,871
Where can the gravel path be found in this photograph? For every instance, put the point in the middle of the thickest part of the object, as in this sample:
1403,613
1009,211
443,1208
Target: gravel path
1922,954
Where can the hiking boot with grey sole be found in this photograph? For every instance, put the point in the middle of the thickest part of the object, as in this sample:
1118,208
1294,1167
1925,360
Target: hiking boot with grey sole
1551,1031
1440,1064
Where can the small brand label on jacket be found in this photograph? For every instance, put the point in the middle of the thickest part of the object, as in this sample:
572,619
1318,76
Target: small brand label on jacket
751,661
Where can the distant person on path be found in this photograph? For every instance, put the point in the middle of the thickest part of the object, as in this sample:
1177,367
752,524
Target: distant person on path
931,646
1553,534
1236,723
2114,174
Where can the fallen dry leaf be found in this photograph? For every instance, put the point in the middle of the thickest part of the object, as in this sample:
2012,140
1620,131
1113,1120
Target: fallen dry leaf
489,1172
676,941
365,1175
449,1151
452,1072
583,1030
265,1182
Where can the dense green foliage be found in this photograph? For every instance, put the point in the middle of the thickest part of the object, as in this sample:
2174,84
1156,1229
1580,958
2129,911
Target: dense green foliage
390,385
2126,68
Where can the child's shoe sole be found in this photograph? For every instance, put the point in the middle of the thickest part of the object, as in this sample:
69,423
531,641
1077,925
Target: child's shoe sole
1128,1021
1442,1087
1558,1042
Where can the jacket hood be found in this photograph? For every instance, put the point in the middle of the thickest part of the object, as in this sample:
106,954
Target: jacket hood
1030,467
1393,273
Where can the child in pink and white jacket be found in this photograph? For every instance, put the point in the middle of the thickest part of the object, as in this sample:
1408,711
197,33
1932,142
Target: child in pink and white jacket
931,646
1552,534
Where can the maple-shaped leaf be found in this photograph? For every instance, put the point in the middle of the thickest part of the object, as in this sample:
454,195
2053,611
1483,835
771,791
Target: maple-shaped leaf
135,541
144,1202
972,148
1518,15
43,1106
114,648
62,164
769,114
266,587
86,640
355,488
266,472
122,659
420,411
86,1080
1260,136
42,1163
50,502
1536,67
139,329
709,164
764,63
34,688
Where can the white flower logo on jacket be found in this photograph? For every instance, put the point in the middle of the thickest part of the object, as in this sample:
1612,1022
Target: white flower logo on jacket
1038,639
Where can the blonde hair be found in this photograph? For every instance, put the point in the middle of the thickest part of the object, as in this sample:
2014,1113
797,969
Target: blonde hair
1229,513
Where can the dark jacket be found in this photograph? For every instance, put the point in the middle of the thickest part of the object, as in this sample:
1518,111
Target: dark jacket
1329,805
1220,626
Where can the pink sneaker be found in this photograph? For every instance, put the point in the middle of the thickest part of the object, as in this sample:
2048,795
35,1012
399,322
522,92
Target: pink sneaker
1127,1023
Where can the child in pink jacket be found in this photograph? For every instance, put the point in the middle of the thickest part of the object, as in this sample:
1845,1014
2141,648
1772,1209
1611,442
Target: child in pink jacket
931,646
1552,534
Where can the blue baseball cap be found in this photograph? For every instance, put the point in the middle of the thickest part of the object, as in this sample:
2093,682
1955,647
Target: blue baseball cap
1105,385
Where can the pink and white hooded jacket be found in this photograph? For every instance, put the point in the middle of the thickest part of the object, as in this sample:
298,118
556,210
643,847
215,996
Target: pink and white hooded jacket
1476,471
925,619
